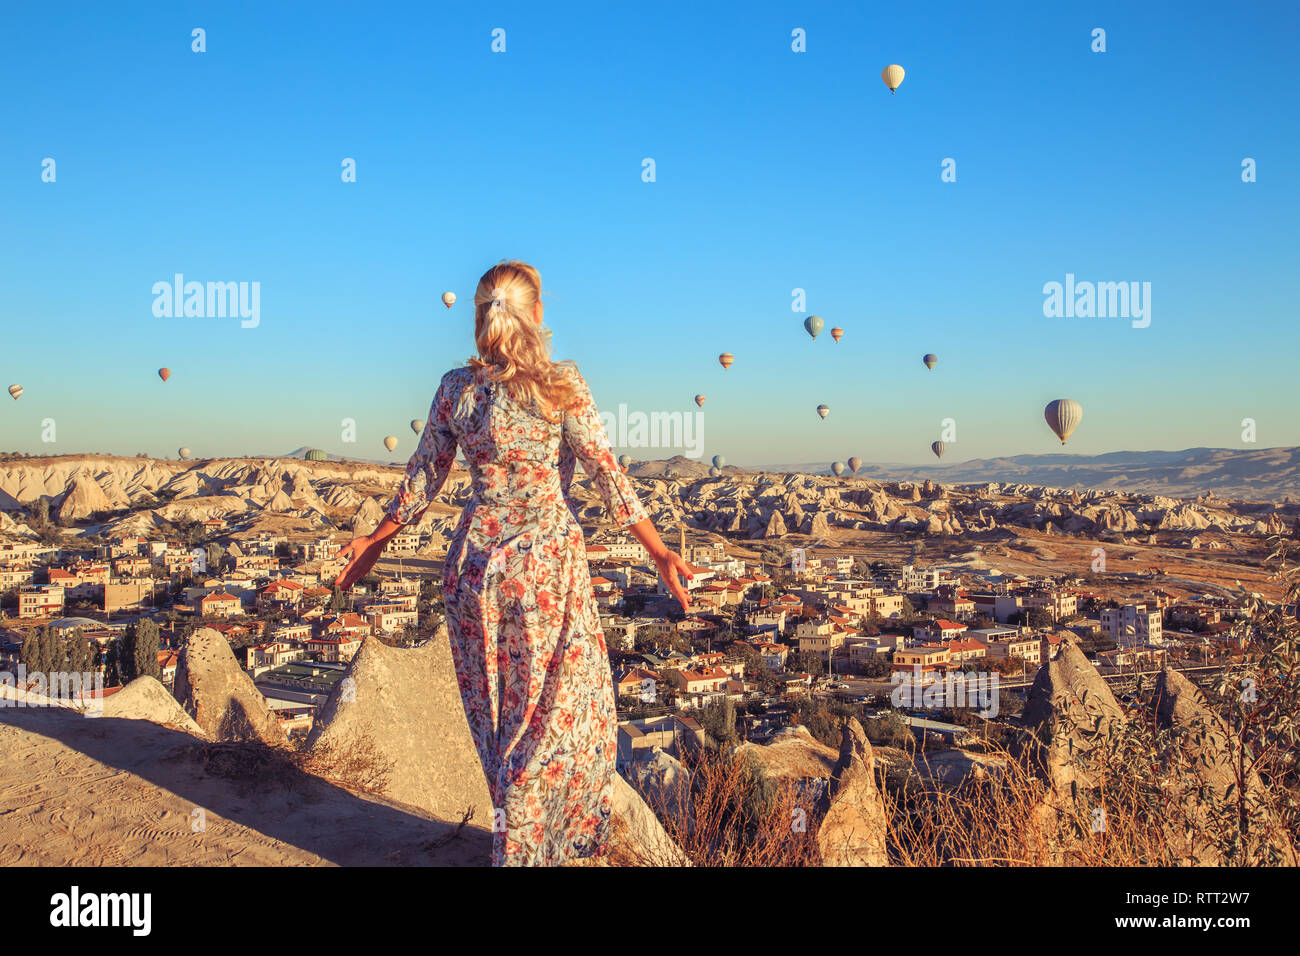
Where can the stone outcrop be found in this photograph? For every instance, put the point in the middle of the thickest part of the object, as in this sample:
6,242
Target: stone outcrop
1070,709
854,825
1202,768
221,698
405,702
146,699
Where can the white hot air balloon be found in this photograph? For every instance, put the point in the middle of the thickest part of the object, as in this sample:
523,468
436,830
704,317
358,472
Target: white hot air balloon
854,464
1063,416
893,77
837,468
449,299
718,461
183,452
823,410
390,442
624,461
416,425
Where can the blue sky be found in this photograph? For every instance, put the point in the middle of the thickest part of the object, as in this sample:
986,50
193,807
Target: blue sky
775,170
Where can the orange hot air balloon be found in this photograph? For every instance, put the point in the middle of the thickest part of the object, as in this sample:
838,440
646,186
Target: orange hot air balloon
725,359
837,333
699,400
164,373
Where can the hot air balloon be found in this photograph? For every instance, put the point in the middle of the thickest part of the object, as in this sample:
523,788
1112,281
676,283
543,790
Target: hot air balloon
938,448
837,468
814,325
718,461
854,464
823,410
624,461
715,472
837,333
929,359
725,359
699,400
183,452
893,77
1063,416
449,299
390,442
416,425
315,454
668,472
16,391
164,373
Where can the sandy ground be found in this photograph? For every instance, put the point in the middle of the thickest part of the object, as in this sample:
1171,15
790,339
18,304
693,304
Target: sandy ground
111,792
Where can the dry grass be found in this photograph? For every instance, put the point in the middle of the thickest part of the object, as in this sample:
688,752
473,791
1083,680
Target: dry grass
731,815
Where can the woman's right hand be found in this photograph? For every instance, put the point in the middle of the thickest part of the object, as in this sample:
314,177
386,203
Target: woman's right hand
671,564
362,553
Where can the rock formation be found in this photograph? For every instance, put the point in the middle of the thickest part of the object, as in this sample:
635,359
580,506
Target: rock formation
1069,711
146,699
406,702
221,698
854,825
1206,781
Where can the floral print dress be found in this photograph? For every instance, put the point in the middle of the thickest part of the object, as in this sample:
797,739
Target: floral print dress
530,655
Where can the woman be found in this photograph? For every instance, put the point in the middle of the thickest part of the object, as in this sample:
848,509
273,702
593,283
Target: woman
530,656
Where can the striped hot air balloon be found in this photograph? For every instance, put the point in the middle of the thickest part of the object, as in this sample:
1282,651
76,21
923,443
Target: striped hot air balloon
315,454
725,359
699,400
837,333
938,448
813,325
16,391
930,359
1063,416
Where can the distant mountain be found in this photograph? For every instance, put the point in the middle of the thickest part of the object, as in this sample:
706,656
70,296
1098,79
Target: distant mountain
1255,474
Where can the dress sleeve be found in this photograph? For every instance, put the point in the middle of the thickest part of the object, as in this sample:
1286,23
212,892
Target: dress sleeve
585,436
429,466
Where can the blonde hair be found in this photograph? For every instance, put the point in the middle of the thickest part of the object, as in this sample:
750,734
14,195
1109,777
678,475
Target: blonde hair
511,345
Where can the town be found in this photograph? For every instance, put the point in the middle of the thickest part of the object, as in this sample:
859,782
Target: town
788,639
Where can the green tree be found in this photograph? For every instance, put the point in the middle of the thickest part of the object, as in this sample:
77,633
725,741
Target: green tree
145,649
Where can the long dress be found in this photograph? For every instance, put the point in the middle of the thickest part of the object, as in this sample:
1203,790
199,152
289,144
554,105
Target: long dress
530,656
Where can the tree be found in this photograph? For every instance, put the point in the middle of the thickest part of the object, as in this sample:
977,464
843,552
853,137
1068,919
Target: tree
147,639
339,601
30,655
215,554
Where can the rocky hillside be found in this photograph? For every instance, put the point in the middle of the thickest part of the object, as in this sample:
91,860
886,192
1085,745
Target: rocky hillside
1259,474
129,495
